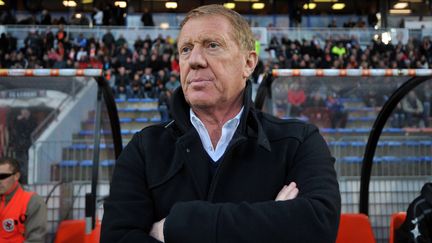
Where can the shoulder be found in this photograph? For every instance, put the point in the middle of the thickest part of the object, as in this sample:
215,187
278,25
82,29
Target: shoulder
36,204
36,200
276,128
153,133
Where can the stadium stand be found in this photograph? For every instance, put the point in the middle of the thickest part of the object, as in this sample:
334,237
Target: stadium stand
139,70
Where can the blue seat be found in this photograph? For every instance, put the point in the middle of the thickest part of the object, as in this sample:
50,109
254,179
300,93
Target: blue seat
144,109
390,159
155,119
133,100
86,132
361,130
141,119
148,100
119,100
107,163
411,143
127,109
68,163
392,130
338,143
78,146
125,132
357,143
327,130
351,159
125,119
133,131
86,163
425,143
412,159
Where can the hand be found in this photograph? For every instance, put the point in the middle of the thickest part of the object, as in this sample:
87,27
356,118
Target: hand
287,192
157,230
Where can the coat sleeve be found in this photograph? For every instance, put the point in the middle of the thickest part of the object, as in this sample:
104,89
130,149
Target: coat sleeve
36,222
312,217
127,220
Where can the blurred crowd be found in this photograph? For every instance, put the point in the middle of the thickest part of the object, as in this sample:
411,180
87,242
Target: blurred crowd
150,67
347,53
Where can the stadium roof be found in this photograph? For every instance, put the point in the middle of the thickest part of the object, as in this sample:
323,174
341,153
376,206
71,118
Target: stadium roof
363,7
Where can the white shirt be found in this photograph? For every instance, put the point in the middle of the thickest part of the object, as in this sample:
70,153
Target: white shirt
228,130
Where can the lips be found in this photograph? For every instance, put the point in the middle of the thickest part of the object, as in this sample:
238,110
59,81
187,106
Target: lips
199,80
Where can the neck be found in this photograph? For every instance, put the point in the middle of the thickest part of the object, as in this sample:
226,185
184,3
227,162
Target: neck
214,118
15,185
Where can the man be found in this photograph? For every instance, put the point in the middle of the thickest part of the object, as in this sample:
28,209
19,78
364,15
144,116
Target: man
22,127
222,171
23,215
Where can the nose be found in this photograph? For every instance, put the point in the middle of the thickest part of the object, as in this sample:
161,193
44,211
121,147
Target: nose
197,58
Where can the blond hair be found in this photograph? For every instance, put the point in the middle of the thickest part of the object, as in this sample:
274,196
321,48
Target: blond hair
242,32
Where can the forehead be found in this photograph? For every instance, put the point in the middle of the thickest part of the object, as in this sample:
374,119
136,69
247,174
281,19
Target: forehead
210,26
5,168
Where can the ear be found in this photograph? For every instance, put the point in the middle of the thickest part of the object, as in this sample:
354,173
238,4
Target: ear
17,176
250,64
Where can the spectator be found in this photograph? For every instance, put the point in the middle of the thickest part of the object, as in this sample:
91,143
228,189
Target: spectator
121,92
61,34
136,90
97,16
20,138
24,214
413,109
45,18
147,18
339,50
148,80
398,118
122,78
163,103
173,83
108,40
296,99
338,115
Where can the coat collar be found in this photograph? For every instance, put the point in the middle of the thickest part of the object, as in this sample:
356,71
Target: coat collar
250,125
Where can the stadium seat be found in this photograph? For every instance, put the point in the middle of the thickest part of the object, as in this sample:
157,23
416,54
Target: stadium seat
395,222
355,228
73,231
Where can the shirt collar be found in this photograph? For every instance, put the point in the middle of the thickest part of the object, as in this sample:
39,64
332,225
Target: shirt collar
197,122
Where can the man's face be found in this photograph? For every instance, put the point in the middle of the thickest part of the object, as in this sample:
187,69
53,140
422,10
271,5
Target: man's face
213,68
7,183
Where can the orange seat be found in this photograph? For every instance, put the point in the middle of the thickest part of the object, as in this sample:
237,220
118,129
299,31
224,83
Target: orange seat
396,221
73,231
355,228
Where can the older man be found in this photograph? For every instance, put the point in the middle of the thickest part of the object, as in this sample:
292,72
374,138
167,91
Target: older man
222,171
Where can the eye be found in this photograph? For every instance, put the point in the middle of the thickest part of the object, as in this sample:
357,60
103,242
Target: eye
185,50
213,45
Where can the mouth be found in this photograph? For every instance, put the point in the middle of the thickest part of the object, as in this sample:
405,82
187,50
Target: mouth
199,80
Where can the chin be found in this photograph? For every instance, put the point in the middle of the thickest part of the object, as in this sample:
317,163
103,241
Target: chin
203,99
201,104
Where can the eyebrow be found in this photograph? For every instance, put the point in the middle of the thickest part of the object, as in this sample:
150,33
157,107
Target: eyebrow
204,39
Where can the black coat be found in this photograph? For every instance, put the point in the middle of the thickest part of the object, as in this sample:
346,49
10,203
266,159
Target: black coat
164,172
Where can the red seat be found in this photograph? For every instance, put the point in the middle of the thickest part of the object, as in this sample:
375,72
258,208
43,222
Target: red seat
73,231
395,222
355,228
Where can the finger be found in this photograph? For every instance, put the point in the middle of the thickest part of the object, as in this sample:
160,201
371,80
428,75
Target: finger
293,194
287,192
281,195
